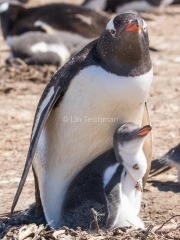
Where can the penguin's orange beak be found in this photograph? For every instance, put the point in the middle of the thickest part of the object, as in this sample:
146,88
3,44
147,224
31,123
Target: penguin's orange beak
144,130
132,27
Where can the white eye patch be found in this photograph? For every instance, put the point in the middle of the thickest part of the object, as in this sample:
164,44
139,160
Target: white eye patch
4,7
144,25
110,27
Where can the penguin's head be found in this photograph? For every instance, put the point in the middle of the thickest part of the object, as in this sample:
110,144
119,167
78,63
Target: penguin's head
125,41
9,14
129,137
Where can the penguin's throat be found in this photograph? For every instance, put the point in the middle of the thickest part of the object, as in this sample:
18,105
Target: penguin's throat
133,62
135,162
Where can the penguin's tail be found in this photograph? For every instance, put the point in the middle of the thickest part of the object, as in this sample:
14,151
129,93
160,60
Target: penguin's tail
167,161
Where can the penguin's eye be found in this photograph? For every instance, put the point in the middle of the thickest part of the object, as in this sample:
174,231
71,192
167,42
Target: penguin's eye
144,25
145,29
125,135
113,32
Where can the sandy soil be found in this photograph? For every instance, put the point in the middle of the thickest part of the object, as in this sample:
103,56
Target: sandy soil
19,97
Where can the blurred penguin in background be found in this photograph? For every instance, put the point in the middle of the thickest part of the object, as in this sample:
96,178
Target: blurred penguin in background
167,161
120,6
41,48
71,28
16,19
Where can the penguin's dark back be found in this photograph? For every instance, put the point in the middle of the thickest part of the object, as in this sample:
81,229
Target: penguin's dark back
64,17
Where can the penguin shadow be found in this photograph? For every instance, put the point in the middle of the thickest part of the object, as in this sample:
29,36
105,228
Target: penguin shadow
166,186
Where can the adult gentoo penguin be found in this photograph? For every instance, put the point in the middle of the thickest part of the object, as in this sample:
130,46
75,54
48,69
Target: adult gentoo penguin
108,79
111,184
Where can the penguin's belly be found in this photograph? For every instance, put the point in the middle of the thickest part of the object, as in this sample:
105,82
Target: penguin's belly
82,127
133,193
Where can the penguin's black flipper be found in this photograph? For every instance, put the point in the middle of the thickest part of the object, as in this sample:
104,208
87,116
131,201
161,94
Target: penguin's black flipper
170,159
158,166
35,137
50,98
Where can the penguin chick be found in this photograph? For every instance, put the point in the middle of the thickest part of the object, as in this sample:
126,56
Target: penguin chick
128,142
128,145
110,184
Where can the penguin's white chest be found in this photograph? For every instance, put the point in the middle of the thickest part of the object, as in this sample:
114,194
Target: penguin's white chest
82,127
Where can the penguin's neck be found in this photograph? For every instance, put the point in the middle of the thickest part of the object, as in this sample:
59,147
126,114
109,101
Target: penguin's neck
134,161
123,61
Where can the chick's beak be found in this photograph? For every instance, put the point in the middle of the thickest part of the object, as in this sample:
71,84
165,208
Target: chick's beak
144,130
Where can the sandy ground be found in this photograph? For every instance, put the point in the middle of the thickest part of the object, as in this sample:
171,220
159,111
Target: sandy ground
19,98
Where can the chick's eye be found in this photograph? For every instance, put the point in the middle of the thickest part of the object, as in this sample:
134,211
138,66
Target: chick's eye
125,135
113,31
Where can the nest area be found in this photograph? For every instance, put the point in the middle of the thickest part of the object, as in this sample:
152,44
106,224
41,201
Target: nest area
14,228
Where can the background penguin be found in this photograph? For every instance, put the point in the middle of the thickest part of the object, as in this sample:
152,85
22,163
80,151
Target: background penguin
14,1
110,78
111,184
42,48
16,19
170,159
176,2
120,6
